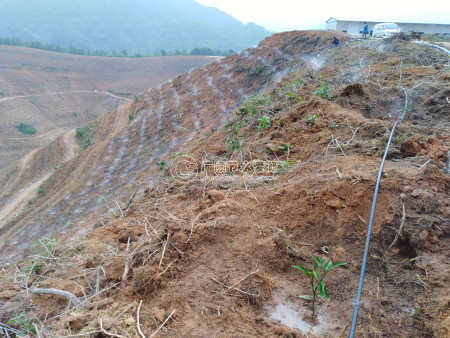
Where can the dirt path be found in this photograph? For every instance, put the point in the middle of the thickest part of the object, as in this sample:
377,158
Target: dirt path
66,92
72,150
29,192
51,135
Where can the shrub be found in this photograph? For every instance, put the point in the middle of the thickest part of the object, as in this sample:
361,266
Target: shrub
163,167
264,123
86,133
26,128
234,139
323,91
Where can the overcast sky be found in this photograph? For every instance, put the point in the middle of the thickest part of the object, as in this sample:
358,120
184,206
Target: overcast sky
280,15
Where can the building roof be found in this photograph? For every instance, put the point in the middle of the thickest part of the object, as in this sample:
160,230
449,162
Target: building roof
332,19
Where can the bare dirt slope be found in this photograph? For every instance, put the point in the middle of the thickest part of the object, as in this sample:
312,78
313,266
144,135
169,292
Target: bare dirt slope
150,255
54,91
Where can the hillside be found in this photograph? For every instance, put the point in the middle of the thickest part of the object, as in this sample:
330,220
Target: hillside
137,26
152,230
56,92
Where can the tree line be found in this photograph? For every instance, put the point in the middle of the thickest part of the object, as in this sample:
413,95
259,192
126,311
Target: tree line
123,53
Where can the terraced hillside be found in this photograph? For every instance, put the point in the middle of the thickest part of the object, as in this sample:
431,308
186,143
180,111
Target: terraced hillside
56,92
142,249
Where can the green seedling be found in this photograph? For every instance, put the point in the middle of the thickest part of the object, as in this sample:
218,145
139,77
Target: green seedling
323,91
291,96
264,123
23,323
163,167
317,278
234,139
44,250
415,311
284,148
401,138
312,119
131,117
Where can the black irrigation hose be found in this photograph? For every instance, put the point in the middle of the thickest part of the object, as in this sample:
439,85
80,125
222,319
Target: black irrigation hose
372,212
372,215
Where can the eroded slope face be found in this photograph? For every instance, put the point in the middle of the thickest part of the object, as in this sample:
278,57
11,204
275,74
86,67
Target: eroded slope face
221,253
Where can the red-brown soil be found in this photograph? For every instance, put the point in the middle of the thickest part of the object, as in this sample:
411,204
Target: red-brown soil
175,245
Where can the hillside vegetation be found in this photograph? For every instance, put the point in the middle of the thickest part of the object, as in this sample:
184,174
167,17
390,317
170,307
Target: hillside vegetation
134,26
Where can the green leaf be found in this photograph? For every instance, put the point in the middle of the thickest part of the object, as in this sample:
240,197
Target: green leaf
323,293
304,297
335,265
317,260
302,269
315,274
327,265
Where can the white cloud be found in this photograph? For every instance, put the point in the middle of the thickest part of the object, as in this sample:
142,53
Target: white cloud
282,15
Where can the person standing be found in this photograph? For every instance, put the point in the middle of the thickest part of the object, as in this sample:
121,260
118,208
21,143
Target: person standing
366,30
335,42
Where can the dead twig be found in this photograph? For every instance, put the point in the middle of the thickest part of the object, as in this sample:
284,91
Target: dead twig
240,281
167,268
402,223
120,209
162,325
238,290
138,319
129,203
192,227
60,293
164,248
109,333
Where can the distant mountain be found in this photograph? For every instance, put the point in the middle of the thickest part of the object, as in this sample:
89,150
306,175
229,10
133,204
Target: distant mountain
137,26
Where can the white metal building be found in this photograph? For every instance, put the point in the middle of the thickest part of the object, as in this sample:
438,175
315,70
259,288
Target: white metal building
355,27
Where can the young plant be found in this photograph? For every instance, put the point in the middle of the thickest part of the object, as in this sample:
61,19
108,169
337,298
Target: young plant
284,148
312,119
42,253
163,167
323,91
23,323
234,139
317,279
264,123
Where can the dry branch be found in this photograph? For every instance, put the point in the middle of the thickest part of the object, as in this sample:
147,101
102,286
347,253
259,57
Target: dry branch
399,231
138,319
161,326
61,293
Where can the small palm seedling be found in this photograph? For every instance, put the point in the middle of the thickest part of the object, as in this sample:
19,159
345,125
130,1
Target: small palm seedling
317,278
264,123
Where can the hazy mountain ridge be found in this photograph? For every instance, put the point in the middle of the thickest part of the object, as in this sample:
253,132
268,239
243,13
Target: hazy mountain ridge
137,26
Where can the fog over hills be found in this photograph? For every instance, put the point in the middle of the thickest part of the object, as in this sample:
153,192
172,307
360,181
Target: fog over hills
137,26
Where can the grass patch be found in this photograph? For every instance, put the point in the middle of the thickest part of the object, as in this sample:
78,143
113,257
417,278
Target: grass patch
86,134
